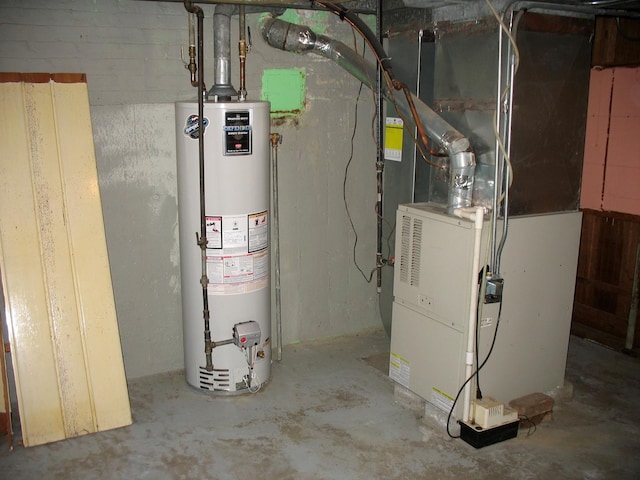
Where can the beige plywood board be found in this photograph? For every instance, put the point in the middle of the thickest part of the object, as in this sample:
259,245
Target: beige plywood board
59,303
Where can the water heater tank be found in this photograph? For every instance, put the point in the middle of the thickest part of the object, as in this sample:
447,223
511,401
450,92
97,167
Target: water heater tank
236,142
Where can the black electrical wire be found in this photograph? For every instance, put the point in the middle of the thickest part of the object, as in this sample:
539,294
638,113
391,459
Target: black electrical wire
493,342
344,188
624,34
344,191
363,29
531,424
387,73
477,335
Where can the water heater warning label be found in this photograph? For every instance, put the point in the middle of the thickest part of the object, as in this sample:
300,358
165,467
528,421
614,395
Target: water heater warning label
258,232
237,253
214,232
237,234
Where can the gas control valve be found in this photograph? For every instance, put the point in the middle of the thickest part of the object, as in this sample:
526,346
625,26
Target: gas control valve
246,334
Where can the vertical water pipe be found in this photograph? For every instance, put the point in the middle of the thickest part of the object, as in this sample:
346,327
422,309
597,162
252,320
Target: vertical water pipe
379,155
191,66
242,54
276,138
202,238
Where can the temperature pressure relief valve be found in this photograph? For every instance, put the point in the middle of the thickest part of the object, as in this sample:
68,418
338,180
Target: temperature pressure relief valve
246,334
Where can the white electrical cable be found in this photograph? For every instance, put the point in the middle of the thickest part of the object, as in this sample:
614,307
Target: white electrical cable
496,127
253,376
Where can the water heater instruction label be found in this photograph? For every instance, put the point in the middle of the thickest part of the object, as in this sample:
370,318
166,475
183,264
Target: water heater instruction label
237,253
238,273
235,237
258,232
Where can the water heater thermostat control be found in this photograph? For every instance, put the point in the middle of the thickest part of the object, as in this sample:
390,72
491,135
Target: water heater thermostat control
246,334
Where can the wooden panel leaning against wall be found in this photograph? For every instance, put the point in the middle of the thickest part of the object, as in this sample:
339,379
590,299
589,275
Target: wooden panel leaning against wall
605,278
606,298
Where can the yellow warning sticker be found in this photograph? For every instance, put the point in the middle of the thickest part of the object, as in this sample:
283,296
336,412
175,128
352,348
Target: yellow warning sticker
393,139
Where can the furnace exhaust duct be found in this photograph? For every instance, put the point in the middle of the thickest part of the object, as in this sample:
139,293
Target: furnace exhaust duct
301,39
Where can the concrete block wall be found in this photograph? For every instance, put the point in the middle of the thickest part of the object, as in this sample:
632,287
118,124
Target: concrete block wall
130,51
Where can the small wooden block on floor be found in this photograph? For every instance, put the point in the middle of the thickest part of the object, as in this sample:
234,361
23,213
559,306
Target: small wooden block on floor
533,408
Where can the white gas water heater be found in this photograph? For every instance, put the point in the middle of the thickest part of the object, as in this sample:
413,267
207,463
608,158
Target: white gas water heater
223,196
236,186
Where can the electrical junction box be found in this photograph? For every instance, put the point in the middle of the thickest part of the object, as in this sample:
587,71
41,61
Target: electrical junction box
246,334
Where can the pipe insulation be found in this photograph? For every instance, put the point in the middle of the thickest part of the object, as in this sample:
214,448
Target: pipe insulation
301,39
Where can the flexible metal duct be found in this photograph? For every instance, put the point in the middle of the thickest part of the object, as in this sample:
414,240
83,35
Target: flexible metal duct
301,39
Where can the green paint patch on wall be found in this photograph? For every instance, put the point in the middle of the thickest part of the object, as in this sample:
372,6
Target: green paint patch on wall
370,20
285,89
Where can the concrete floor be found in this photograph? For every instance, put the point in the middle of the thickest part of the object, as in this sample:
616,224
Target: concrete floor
327,414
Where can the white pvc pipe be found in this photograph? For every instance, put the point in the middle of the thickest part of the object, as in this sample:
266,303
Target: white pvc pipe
476,215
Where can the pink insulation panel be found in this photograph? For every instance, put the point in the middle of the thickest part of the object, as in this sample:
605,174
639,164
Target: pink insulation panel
611,174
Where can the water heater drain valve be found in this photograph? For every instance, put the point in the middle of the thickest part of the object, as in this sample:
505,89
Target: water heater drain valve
246,334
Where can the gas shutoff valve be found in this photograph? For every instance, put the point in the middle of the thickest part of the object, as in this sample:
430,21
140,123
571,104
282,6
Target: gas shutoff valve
246,334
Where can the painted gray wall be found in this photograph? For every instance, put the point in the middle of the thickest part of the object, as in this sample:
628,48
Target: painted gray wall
130,51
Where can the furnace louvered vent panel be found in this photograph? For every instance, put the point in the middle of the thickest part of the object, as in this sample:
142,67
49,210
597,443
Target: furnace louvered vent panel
416,249
405,249
410,250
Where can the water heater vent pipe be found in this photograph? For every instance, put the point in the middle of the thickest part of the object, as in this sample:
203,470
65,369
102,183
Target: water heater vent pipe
222,88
